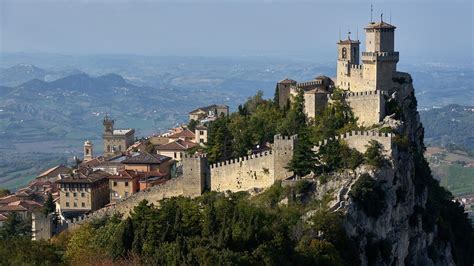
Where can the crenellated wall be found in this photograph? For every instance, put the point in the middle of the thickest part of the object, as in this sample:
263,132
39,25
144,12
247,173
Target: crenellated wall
360,139
255,171
368,106
243,173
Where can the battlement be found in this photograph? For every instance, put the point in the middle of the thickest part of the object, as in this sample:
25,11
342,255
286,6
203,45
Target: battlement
194,156
380,56
309,83
360,139
241,159
354,66
280,137
365,93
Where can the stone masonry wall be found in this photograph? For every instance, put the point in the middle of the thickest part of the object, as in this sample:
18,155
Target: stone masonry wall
359,139
243,173
368,106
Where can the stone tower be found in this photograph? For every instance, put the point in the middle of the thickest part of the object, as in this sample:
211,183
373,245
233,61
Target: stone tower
283,148
347,61
380,58
88,151
284,89
196,175
108,125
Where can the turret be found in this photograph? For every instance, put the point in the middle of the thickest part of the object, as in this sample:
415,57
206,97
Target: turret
88,151
284,88
108,125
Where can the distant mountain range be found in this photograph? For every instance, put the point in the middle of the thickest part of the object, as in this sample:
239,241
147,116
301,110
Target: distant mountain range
21,73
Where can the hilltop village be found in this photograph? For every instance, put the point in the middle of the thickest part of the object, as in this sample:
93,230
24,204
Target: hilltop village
176,163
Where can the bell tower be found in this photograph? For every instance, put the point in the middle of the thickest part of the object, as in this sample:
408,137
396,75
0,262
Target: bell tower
88,151
108,125
347,59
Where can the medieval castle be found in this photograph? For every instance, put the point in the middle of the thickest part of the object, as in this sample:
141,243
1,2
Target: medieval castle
367,87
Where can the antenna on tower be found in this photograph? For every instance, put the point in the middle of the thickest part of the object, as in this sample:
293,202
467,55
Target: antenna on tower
390,17
339,34
348,34
357,34
371,11
381,17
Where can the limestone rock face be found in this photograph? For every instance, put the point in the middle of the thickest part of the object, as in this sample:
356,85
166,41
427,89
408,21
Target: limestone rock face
399,227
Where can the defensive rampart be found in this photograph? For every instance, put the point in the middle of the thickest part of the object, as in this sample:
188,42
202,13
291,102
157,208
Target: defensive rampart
243,173
360,139
368,106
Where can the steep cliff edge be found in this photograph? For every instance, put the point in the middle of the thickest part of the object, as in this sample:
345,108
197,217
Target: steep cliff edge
412,220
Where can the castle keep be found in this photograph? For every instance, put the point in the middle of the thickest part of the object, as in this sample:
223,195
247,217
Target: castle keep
366,84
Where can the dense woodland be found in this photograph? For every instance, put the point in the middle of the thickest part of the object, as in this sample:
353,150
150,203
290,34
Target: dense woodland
270,228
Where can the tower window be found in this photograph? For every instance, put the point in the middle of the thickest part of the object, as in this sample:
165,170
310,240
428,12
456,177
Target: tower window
344,52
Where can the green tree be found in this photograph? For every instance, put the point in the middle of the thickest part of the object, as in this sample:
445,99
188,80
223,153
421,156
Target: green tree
295,120
192,125
304,158
219,143
335,119
374,154
49,205
4,192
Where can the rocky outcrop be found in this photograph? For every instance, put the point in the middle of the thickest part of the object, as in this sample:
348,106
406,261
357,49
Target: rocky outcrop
397,236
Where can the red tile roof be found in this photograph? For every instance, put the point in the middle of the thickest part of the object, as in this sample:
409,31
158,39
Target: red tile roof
178,145
182,134
146,158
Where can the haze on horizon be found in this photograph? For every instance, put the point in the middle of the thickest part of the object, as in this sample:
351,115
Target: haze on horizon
426,30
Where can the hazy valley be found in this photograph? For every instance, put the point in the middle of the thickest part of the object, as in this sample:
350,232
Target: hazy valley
49,106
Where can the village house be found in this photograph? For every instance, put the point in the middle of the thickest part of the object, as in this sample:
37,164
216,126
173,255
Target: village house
147,162
211,111
200,134
186,135
175,149
150,179
83,191
123,184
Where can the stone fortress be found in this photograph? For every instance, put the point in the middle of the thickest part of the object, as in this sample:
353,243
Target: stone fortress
367,86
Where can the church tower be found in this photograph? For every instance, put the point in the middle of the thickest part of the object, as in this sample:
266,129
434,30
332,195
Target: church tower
108,125
88,151
347,62
380,58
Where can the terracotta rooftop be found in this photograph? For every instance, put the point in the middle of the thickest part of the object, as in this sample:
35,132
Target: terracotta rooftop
146,158
287,81
81,177
207,108
3,217
125,174
380,25
61,169
186,133
178,145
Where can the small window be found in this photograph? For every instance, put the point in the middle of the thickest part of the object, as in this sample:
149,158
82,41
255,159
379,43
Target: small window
175,155
67,204
83,194
75,204
201,140
74,194
201,132
115,183
126,184
83,205
67,194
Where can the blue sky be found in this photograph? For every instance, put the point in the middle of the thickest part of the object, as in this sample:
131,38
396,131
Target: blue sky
442,30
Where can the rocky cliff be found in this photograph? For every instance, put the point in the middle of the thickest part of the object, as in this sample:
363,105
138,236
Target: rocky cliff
411,221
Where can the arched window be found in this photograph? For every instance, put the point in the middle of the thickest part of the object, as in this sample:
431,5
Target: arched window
108,148
344,52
